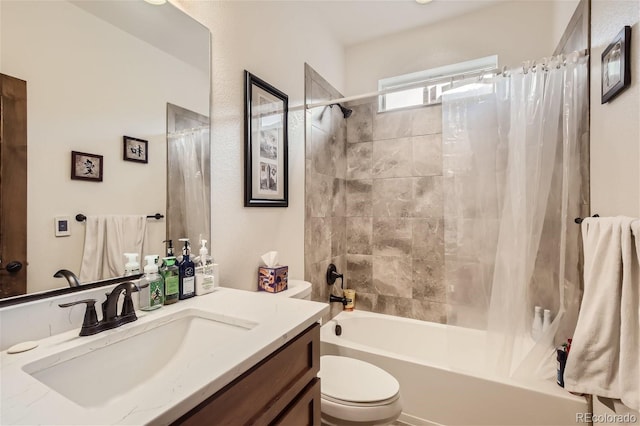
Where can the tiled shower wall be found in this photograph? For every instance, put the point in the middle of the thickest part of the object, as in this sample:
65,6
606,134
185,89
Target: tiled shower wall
325,173
394,211
374,204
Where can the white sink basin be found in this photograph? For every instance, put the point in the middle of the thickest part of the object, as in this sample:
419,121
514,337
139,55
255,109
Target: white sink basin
102,370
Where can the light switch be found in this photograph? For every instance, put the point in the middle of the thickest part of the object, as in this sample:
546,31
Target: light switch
62,226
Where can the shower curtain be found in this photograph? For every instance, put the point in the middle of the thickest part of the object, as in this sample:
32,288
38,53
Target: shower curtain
188,186
513,184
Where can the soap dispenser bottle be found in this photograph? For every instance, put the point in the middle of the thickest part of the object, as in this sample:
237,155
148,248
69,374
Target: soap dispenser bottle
151,285
170,274
187,273
536,327
132,267
169,248
205,282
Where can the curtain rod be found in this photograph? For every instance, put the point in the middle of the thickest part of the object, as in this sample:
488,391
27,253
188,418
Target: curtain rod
424,83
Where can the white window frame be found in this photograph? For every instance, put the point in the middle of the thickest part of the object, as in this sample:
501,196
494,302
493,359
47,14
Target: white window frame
433,82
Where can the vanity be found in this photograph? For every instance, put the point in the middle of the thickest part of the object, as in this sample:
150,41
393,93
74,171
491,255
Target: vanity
229,357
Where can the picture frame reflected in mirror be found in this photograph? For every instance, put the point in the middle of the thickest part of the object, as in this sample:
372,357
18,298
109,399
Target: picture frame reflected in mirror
85,166
134,149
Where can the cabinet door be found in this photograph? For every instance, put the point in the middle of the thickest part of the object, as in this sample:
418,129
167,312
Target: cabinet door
259,396
305,410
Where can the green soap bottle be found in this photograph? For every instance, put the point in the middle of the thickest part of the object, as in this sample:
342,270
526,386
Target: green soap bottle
151,285
170,273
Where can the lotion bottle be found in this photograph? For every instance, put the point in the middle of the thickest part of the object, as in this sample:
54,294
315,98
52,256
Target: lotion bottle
187,273
205,282
151,285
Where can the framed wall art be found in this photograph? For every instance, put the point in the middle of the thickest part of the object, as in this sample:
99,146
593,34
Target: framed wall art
266,144
86,166
135,149
616,65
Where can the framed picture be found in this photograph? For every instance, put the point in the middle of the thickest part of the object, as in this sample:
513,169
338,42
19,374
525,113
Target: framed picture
616,65
86,166
135,149
266,145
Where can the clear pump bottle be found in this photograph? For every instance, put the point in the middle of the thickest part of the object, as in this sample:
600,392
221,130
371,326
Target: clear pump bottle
132,267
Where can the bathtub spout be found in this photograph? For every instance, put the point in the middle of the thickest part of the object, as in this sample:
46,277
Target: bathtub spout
342,299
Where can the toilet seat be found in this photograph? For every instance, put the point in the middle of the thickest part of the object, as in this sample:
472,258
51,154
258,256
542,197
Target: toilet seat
354,392
353,381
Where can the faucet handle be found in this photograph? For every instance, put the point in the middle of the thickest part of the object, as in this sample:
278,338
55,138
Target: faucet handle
127,306
90,317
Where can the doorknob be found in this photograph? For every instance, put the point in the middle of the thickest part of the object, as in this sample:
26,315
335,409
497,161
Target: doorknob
13,267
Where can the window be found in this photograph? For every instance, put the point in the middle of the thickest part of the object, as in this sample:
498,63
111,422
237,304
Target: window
426,87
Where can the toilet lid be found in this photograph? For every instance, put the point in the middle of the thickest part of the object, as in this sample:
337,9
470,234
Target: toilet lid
352,380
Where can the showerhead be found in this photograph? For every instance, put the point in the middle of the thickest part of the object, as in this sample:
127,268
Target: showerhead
346,112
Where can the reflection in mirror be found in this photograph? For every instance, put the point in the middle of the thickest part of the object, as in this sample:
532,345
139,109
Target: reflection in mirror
188,177
95,72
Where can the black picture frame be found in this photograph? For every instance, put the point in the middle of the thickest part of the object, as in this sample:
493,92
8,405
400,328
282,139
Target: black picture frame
85,166
266,146
134,149
616,66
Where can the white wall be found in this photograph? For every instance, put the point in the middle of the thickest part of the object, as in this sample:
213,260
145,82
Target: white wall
271,40
516,31
562,11
83,97
615,126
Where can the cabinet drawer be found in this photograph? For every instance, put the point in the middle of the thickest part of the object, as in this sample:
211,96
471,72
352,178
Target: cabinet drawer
267,389
305,410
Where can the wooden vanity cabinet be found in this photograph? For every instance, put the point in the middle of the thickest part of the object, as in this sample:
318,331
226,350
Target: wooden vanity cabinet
282,389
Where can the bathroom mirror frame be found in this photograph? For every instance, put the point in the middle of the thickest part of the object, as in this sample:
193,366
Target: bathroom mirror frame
44,294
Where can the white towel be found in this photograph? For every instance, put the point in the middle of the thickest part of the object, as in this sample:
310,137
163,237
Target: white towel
604,354
106,240
630,320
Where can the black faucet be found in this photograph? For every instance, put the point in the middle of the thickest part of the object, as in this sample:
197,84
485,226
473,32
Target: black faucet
342,299
110,317
332,276
71,278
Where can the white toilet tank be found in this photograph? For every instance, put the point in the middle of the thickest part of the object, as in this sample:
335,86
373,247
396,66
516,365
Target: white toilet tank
297,289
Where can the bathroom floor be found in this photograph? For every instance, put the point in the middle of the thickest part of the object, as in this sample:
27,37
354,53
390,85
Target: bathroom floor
399,423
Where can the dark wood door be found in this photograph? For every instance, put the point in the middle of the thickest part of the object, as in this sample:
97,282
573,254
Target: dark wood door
13,186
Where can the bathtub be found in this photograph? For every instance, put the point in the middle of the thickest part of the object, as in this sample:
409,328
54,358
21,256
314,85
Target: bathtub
419,355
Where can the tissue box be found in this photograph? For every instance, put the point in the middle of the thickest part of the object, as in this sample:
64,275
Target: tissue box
273,280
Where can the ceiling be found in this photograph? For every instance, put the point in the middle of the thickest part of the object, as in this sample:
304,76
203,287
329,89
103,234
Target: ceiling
165,27
351,21
356,21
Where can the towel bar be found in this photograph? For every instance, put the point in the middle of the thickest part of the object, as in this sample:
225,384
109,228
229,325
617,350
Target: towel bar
81,218
579,220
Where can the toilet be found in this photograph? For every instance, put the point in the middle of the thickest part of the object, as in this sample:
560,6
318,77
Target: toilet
354,392
357,393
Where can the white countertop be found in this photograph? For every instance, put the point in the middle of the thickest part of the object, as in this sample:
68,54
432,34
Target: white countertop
25,400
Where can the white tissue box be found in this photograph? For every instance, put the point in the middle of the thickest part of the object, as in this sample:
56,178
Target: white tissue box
273,280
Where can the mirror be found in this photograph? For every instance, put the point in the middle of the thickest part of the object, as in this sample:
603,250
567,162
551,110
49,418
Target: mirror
97,71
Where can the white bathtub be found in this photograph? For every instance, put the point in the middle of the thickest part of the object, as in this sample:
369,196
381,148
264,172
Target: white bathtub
419,355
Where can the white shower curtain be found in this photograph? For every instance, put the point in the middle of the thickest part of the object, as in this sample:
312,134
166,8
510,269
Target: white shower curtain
188,187
511,157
